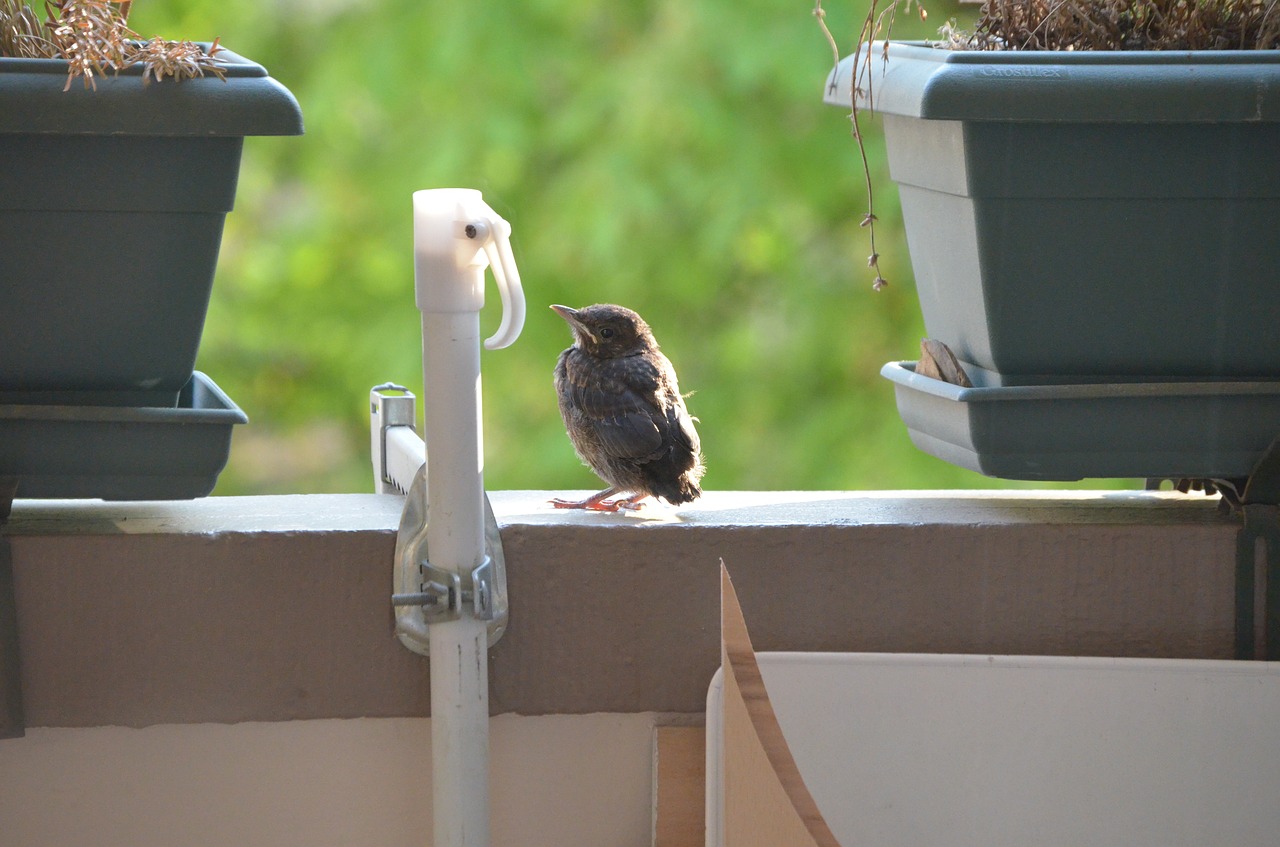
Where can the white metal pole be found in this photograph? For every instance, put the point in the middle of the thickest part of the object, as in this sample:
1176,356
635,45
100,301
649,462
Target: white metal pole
456,236
455,537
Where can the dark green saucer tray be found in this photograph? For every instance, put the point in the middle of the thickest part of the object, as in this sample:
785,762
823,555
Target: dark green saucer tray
119,453
1166,429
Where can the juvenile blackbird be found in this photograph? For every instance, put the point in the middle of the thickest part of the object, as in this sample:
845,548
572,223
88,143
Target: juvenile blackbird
624,413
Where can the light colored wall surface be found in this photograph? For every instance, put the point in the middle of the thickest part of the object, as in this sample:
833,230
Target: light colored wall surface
190,619
278,608
556,781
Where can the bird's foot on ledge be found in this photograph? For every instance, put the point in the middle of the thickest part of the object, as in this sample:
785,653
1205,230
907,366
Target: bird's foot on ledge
602,503
623,504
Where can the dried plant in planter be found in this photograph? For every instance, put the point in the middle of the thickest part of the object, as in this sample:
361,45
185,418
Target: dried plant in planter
1063,25
21,33
94,38
1126,25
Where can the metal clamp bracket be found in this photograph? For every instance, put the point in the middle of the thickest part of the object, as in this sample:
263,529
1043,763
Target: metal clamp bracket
1258,562
12,718
426,595
392,414
423,593
445,593
1256,500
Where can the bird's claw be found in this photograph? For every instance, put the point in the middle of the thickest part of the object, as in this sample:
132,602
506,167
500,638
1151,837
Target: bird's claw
622,504
568,504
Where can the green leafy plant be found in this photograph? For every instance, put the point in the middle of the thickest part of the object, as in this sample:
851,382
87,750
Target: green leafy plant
94,38
1061,25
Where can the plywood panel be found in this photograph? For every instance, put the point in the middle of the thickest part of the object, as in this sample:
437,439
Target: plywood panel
679,786
766,803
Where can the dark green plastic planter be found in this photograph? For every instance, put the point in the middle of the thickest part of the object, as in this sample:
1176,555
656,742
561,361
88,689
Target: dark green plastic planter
111,211
1089,217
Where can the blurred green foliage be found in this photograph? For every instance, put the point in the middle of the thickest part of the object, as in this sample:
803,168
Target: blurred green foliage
674,156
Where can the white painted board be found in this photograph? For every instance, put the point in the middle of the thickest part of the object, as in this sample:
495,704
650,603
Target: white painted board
983,751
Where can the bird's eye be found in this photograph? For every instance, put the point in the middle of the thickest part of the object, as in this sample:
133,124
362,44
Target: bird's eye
607,332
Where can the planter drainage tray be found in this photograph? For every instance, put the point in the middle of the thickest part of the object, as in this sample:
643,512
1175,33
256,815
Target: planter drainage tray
1167,430
114,453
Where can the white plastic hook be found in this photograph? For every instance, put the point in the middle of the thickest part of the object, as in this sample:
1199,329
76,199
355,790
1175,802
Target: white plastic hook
507,277
456,235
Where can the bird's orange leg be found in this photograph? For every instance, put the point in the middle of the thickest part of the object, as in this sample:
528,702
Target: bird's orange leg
600,502
596,502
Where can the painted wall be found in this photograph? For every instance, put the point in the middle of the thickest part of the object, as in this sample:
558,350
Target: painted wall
248,642
556,781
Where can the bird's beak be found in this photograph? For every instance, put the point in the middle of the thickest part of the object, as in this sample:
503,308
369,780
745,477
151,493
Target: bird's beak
571,317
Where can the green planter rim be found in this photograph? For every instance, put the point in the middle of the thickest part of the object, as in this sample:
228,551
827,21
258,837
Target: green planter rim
247,102
1081,57
233,64
1210,86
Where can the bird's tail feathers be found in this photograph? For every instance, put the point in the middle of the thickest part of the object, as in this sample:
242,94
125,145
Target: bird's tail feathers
686,488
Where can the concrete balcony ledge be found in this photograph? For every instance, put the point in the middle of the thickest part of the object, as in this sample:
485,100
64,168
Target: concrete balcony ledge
236,609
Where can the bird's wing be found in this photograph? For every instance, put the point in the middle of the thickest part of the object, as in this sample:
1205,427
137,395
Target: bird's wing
681,424
620,409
